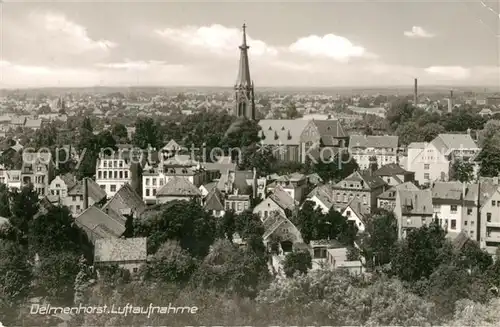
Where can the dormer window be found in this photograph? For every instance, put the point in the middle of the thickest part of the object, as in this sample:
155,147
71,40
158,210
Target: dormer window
289,135
282,128
276,136
270,128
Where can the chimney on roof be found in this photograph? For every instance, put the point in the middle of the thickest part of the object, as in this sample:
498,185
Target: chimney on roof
85,194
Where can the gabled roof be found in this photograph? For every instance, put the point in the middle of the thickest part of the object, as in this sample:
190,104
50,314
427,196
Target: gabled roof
460,240
96,220
69,179
391,169
357,208
369,180
447,190
95,192
33,123
214,200
444,143
125,201
282,131
178,186
282,198
120,250
329,130
373,141
417,145
391,193
209,186
416,202
172,145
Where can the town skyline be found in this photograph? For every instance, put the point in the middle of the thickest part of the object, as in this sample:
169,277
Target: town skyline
186,45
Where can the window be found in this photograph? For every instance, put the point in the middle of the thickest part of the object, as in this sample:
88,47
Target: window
453,224
266,213
126,174
81,197
105,174
134,270
121,174
471,233
426,166
345,197
105,164
154,181
147,192
77,208
472,223
115,174
427,176
488,217
348,213
58,185
339,197
99,174
469,211
147,181
465,222
365,200
112,188
120,164
73,198
154,192
453,208
493,203
239,206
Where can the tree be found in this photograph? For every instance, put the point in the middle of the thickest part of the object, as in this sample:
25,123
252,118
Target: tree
409,132
298,261
119,132
171,263
226,227
15,274
337,167
83,281
291,112
490,157
419,254
147,131
87,124
399,113
308,219
24,208
462,171
430,131
379,239
56,277
184,221
4,201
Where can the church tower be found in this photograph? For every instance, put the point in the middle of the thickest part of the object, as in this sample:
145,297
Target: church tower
245,102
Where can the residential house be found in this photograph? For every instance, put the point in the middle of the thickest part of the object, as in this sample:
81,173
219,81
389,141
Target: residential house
61,184
277,201
336,258
12,178
363,185
383,148
293,138
278,227
126,202
431,161
38,169
177,188
456,206
206,188
322,196
154,178
77,195
356,213
387,200
127,253
238,188
214,202
413,210
393,174
294,184
489,219
98,225
115,170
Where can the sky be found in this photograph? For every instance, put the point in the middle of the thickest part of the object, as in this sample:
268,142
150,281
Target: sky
293,43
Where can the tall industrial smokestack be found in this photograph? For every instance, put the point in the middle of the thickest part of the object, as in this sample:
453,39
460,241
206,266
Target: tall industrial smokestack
415,93
450,102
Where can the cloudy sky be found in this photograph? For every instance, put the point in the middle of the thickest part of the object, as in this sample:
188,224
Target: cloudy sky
335,43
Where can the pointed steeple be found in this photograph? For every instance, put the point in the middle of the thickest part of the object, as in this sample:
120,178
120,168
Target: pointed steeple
244,79
244,89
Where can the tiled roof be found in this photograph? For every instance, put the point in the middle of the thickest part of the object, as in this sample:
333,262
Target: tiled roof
69,179
282,198
391,193
178,186
214,200
447,190
460,240
391,170
417,145
358,208
416,202
94,219
329,130
124,201
325,198
373,141
210,186
446,142
282,131
120,250
95,192
172,145
370,181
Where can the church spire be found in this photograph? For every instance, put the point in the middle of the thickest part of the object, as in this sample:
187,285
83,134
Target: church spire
245,104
